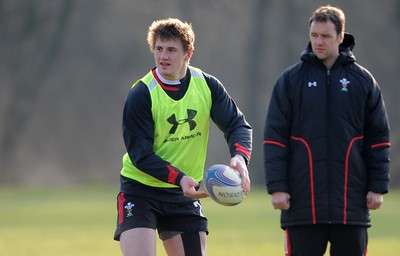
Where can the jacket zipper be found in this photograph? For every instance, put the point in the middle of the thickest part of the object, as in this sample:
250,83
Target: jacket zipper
329,141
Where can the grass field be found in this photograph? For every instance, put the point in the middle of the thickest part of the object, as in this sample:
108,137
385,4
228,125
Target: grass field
80,222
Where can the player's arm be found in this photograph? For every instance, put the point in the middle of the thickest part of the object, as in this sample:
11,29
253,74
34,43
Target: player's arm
237,132
377,144
276,142
138,133
230,120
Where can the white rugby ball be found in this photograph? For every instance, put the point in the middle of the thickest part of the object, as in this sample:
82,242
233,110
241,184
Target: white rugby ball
224,185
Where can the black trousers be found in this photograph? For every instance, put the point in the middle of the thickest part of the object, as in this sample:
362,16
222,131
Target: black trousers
312,240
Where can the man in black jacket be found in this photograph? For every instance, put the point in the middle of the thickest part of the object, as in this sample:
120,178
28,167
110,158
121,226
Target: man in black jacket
326,144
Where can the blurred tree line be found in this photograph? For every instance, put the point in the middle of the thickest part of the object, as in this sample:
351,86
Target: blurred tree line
66,66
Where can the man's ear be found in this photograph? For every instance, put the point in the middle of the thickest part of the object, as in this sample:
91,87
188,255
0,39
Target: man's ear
189,55
341,37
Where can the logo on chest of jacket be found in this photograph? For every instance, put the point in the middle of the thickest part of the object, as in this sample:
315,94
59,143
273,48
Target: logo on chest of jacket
312,84
344,83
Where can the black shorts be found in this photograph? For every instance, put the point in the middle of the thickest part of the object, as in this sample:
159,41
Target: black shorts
168,218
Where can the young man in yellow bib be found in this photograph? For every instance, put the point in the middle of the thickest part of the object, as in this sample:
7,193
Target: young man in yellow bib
166,121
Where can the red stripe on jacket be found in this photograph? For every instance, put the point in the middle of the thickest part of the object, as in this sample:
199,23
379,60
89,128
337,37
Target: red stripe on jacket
314,219
346,177
272,142
383,144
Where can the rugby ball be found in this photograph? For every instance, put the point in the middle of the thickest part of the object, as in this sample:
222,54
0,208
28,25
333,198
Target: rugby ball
224,185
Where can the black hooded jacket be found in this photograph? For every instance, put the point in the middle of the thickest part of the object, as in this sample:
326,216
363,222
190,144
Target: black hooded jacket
326,140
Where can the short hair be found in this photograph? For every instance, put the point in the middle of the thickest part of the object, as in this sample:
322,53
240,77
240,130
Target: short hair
330,13
171,28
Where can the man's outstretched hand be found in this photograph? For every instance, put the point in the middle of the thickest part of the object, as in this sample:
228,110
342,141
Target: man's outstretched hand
189,185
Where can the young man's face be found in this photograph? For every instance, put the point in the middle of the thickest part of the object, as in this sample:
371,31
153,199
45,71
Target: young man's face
171,59
325,41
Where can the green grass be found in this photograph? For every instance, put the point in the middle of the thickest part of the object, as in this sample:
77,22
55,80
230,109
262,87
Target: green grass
80,221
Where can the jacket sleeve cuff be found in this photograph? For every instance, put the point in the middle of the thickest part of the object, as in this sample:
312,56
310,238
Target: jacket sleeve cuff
279,187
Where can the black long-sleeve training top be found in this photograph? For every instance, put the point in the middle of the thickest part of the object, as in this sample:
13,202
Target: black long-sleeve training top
138,133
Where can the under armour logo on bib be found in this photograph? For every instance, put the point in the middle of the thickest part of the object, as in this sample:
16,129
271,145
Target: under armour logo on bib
175,123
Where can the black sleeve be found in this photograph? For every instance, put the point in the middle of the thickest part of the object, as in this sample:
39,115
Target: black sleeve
138,133
230,120
276,139
377,145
